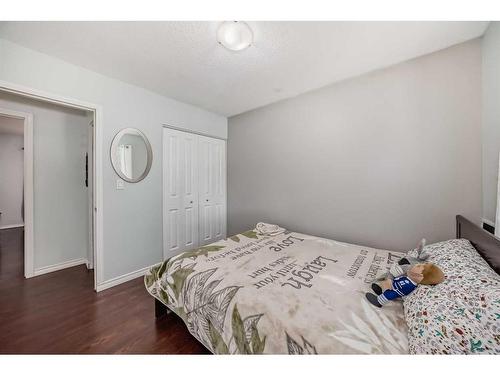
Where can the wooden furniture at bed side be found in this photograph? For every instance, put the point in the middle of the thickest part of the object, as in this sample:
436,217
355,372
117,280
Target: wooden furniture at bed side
486,244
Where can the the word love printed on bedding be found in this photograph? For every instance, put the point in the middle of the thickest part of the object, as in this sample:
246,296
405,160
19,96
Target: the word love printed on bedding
289,241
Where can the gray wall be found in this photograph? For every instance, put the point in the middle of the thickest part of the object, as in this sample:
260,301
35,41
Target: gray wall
11,178
491,118
132,217
381,160
60,209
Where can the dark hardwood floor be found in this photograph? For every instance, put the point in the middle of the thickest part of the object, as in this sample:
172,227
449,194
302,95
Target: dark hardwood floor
60,312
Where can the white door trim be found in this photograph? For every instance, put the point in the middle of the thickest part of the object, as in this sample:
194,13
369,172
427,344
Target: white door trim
97,161
28,186
90,181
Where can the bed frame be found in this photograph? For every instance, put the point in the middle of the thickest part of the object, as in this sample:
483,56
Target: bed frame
160,309
483,241
486,244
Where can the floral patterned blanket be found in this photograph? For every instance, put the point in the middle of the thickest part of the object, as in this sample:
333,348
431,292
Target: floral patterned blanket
292,294
462,314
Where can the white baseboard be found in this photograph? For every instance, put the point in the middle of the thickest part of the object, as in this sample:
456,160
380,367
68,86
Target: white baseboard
11,226
124,278
59,266
489,222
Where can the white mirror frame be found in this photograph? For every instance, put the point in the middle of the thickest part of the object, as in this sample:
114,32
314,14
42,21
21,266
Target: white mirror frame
115,161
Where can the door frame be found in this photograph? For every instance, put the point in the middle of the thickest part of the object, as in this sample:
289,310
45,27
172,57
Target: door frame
90,194
97,169
27,119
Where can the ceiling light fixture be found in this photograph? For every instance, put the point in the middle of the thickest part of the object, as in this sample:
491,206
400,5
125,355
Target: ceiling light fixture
235,35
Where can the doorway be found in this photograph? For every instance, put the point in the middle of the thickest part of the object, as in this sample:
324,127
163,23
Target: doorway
97,163
57,206
16,185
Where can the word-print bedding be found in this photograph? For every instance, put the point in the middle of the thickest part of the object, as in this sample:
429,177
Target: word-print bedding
291,294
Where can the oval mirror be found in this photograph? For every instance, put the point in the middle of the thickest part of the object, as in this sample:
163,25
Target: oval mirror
131,155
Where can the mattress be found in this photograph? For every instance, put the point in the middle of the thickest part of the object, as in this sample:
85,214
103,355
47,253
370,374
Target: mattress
287,294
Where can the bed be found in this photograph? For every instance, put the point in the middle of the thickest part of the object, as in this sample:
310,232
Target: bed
299,294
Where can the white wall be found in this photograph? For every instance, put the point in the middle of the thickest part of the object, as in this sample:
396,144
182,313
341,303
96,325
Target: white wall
382,160
132,217
11,178
491,118
60,209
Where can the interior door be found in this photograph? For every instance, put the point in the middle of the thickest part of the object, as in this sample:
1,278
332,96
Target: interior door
180,192
212,189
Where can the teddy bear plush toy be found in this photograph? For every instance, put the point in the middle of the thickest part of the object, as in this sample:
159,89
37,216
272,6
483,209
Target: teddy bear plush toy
403,285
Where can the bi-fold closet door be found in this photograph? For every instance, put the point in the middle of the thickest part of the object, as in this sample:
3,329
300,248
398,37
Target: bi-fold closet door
194,191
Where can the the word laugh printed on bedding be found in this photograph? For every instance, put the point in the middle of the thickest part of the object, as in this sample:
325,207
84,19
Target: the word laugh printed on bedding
285,270
288,273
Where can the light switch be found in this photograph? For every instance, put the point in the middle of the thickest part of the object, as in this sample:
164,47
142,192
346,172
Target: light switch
120,184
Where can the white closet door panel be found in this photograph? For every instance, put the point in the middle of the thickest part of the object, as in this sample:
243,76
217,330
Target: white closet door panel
205,190
174,229
171,172
219,219
180,192
212,182
190,191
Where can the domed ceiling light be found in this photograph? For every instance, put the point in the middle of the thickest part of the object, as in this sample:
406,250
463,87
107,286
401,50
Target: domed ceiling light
235,35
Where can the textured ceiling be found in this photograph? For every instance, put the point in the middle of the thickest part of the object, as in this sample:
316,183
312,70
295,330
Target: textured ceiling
182,60
9,125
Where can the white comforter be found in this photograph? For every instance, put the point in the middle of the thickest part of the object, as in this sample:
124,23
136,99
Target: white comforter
292,293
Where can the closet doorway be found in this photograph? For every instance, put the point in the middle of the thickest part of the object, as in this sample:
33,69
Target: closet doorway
194,190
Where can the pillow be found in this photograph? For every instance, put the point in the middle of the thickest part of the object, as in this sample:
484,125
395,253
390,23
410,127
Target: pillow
462,314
